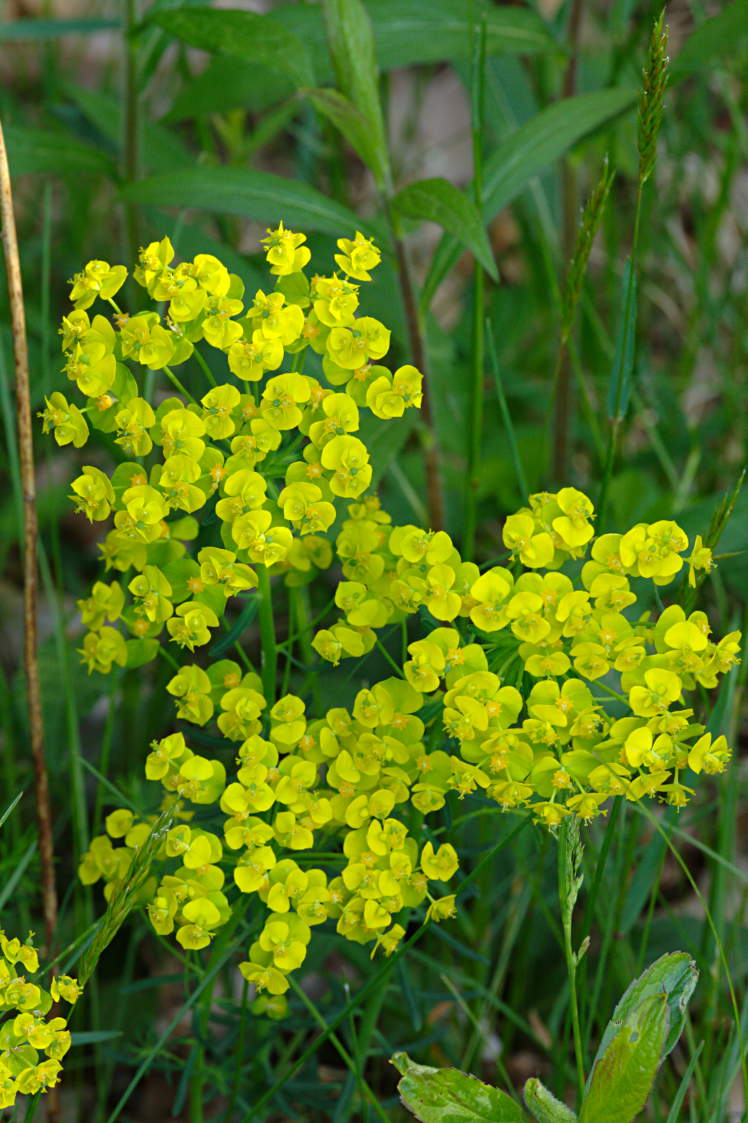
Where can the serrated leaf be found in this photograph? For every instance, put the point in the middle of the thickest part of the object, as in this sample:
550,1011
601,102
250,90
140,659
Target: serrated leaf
446,1095
247,192
437,200
721,35
351,43
543,1104
619,390
352,124
243,34
675,975
31,151
526,153
624,1073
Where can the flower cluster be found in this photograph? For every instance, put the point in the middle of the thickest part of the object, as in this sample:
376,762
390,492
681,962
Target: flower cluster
32,1044
546,684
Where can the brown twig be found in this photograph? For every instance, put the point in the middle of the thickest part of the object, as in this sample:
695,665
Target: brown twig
28,485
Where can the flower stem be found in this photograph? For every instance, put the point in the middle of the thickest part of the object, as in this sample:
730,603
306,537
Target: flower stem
418,352
569,884
475,419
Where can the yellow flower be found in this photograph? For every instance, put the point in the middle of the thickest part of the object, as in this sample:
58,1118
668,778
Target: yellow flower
98,279
286,252
358,255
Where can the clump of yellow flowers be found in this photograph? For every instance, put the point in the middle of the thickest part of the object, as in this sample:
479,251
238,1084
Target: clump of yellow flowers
32,1044
538,685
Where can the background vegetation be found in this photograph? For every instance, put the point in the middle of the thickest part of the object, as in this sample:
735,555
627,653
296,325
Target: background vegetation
121,128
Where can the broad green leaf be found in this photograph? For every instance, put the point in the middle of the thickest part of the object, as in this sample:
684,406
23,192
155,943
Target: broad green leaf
160,148
414,32
528,151
674,975
544,1106
623,1075
408,32
350,121
229,83
252,194
619,390
437,200
37,150
722,35
446,1095
27,30
351,43
246,35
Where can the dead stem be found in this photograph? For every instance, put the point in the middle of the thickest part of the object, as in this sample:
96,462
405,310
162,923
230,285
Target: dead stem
28,484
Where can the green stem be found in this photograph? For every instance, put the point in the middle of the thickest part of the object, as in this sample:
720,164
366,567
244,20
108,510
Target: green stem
616,420
267,636
178,385
475,422
365,1090
204,367
562,413
130,140
568,888
418,353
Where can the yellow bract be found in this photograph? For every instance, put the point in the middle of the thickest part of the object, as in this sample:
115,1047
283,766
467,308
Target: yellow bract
538,684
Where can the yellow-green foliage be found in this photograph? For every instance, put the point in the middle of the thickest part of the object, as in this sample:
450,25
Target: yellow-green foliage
539,685
32,1044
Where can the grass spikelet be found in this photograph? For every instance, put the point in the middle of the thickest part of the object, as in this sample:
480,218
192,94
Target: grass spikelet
655,79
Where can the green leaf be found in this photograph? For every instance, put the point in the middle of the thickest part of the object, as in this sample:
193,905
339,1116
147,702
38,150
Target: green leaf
415,32
446,1095
409,32
38,29
544,1105
240,625
229,83
722,35
675,975
245,35
247,192
437,200
31,151
161,148
352,124
619,390
527,152
351,43
623,1075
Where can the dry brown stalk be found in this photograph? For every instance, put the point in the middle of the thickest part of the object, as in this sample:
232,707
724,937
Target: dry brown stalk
28,484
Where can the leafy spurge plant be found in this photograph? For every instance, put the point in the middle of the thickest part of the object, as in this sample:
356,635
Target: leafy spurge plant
545,685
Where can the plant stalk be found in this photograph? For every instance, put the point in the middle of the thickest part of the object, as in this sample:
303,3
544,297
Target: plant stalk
417,341
30,587
562,379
